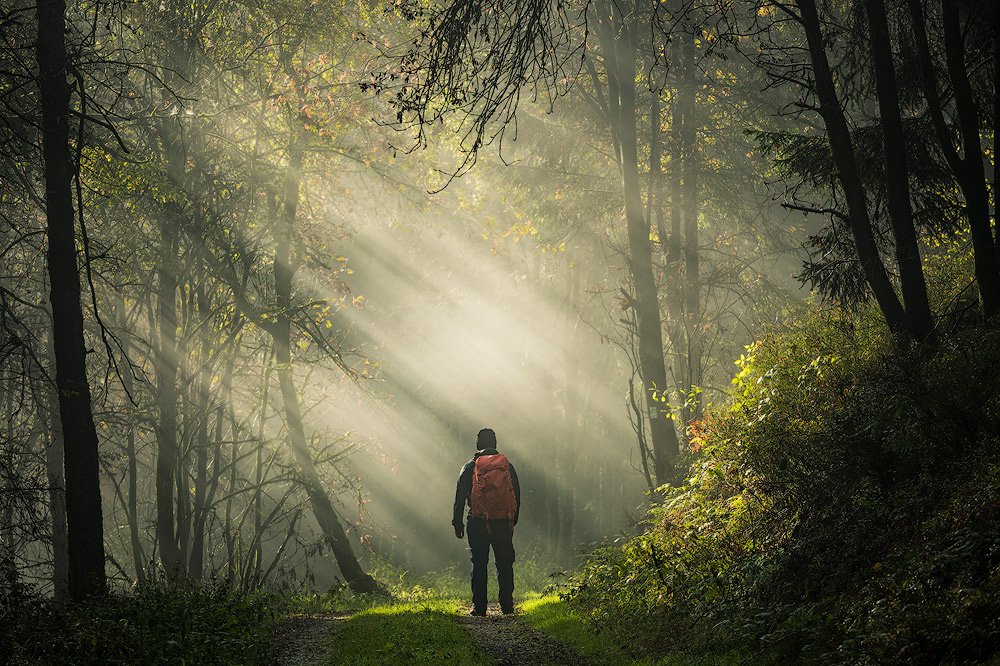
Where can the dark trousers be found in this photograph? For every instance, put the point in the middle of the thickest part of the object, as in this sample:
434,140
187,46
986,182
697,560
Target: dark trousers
500,535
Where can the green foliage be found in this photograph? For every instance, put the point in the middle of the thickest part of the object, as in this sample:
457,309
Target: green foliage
337,600
841,509
551,615
531,576
156,624
410,633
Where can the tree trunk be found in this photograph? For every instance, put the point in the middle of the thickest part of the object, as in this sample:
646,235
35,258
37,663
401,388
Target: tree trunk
8,488
258,493
85,524
654,207
670,241
662,434
166,400
175,73
570,436
132,500
842,149
911,272
973,189
182,473
616,39
692,251
554,469
675,292
996,125
972,174
220,420
57,486
196,561
284,272
232,554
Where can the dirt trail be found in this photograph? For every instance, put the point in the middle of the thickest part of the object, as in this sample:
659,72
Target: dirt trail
512,643
304,640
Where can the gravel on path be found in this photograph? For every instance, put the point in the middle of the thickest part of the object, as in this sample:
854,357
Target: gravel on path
304,640
510,642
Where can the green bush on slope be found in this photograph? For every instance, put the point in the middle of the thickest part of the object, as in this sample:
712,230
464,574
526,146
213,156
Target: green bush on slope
842,509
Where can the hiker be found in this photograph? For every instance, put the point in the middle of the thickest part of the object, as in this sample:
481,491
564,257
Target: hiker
488,484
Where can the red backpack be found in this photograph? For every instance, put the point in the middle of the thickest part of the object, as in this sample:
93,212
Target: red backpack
493,489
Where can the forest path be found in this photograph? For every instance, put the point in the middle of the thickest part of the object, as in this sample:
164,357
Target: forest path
510,642
305,640
431,633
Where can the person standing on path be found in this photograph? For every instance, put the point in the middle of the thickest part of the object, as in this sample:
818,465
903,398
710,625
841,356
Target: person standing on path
488,485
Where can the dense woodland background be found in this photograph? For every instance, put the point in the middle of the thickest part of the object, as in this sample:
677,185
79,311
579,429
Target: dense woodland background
723,276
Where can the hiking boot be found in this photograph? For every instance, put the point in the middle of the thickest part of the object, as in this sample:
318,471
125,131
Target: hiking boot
508,611
477,613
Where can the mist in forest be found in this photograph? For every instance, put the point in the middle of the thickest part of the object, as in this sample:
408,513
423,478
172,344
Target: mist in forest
722,276
467,334
477,343
289,258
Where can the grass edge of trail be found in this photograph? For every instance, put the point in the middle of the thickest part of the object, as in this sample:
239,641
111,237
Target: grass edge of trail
415,632
551,615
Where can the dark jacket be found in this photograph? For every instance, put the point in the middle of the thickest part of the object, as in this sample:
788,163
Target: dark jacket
463,493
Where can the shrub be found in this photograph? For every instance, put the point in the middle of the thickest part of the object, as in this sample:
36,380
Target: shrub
840,509
155,624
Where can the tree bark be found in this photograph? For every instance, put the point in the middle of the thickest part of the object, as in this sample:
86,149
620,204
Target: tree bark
654,207
258,494
166,400
232,556
675,292
692,251
571,422
182,473
616,39
974,191
996,125
842,149
911,272
57,486
284,272
84,518
553,500
175,74
196,560
972,171
8,488
132,500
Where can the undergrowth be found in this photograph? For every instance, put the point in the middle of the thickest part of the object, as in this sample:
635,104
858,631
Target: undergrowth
843,508
154,624
532,577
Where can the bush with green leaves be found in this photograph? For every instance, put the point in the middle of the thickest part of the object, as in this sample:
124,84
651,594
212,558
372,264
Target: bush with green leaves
842,508
154,624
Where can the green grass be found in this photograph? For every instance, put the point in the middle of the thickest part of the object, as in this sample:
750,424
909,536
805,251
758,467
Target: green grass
419,627
532,576
408,633
424,631
338,601
552,616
